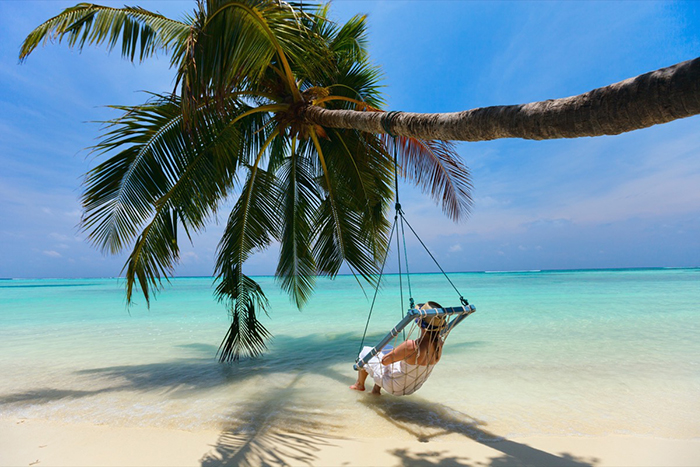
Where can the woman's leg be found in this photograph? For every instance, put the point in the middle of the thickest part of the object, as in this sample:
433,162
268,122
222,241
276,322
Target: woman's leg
360,383
377,390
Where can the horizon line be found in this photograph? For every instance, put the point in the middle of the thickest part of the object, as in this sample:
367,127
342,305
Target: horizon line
515,271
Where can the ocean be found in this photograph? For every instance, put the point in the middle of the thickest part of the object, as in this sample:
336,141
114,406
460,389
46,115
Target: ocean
548,353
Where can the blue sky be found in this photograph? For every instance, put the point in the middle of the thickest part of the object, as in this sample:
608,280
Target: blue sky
631,200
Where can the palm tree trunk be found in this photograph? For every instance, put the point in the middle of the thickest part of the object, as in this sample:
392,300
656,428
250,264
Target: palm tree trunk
652,98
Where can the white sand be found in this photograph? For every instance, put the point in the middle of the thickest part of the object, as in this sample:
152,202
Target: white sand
35,442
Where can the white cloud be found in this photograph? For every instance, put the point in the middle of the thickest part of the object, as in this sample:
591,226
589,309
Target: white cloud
670,191
488,202
52,253
189,257
455,248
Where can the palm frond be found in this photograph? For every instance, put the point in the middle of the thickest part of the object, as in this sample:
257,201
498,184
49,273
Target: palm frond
163,169
345,66
350,41
437,169
234,44
141,32
251,226
364,79
153,257
300,198
246,334
344,231
155,159
367,178
227,49
121,192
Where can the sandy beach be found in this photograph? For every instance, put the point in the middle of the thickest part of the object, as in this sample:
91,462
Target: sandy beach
35,442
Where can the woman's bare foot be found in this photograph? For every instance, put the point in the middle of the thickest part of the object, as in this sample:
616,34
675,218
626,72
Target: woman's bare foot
376,390
361,378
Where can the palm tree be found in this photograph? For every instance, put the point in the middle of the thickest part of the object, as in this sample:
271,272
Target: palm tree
245,71
279,106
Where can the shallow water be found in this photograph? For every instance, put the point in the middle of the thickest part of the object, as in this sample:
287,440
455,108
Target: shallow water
546,353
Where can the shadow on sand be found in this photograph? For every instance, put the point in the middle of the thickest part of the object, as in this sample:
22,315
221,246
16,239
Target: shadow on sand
274,430
276,427
426,420
278,431
199,371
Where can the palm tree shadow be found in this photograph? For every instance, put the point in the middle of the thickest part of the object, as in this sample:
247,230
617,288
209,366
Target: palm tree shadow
426,420
431,459
45,395
196,370
273,431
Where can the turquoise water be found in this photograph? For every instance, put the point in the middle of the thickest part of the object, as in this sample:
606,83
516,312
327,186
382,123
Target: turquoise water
546,353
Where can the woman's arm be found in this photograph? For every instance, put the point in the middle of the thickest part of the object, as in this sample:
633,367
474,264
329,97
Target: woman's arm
400,353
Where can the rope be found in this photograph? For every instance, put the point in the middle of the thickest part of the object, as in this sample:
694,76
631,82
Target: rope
405,254
376,289
397,206
398,256
462,299
388,120
399,212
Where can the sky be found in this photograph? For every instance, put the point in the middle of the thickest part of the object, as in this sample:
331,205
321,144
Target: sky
631,200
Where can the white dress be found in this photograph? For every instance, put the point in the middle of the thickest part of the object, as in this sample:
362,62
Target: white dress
398,378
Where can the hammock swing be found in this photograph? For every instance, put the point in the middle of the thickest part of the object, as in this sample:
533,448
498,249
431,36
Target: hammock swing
410,377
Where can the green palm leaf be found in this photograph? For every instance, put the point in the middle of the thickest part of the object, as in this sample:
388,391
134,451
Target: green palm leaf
300,200
236,43
164,167
437,169
345,232
121,192
246,334
151,152
251,226
154,255
138,30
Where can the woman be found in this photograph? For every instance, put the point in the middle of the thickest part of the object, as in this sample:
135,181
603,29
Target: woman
404,370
